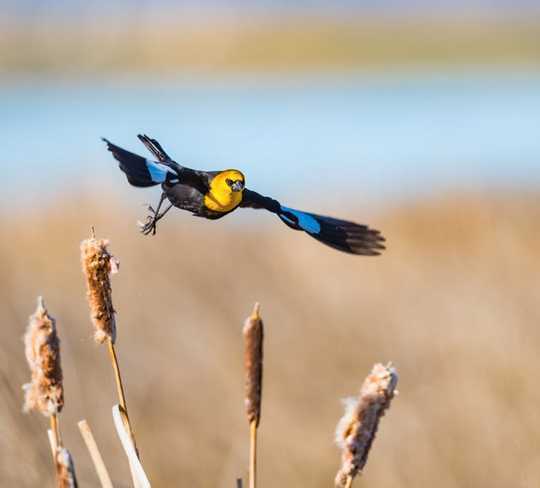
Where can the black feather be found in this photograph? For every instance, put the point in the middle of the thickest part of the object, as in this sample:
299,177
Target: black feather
154,147
348,236
339,234
132,165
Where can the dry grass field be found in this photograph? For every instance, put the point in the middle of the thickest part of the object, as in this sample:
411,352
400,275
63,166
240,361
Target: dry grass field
173,44
454,303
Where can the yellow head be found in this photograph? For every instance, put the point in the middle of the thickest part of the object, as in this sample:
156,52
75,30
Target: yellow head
232,178
226,190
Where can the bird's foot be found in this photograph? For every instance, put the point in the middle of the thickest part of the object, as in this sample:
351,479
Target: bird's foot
149,226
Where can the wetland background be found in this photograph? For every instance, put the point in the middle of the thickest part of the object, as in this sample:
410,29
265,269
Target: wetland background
420,121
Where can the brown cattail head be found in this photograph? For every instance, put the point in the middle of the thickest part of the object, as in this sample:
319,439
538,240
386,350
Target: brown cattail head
65,469
45,392
253,364
357,428
97,265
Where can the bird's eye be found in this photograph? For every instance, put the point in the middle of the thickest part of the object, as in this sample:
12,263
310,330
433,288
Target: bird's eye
229,181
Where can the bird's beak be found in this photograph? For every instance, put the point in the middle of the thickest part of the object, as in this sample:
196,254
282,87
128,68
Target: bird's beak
237,186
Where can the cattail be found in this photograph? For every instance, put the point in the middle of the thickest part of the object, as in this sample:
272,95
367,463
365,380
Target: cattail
98,264
45,392
253,364
65,469
356,430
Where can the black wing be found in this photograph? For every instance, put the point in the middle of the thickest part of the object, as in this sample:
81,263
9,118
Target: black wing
143,172
252,199
139,171
340,234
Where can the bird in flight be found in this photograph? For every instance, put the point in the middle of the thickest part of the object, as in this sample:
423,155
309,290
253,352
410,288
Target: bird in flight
214,194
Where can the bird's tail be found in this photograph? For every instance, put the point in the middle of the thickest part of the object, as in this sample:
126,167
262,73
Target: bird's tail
339,234
141,172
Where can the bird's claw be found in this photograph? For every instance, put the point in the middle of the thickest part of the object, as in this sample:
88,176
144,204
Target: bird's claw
149,226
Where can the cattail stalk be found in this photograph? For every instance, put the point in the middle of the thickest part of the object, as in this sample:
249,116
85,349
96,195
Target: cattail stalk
65,469
253,363
55,430
52,443
357,429
119,385
252,454
98,265
140,480
97,459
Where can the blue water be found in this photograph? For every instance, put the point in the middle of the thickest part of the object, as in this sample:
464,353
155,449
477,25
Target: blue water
376,136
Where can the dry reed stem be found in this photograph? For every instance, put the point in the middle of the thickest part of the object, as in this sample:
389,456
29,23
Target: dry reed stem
253,364
97,459
118,377
52,443
55,429
45,392
121,392
357,429
65,469
252,455
140,479
123,409
97,265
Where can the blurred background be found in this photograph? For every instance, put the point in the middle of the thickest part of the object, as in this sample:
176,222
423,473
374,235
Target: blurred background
418,118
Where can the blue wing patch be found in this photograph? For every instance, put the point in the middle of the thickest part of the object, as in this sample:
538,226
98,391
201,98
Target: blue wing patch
158,172
304,221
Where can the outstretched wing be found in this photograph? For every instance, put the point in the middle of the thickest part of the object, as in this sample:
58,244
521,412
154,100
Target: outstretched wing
252,199
340,234
143,172
140,171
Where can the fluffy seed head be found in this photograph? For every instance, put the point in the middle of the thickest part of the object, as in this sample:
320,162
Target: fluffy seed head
97,265
357,428
45,392
253,364
65,469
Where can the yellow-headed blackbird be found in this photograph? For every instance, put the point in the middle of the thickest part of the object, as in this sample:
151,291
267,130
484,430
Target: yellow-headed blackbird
214,194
